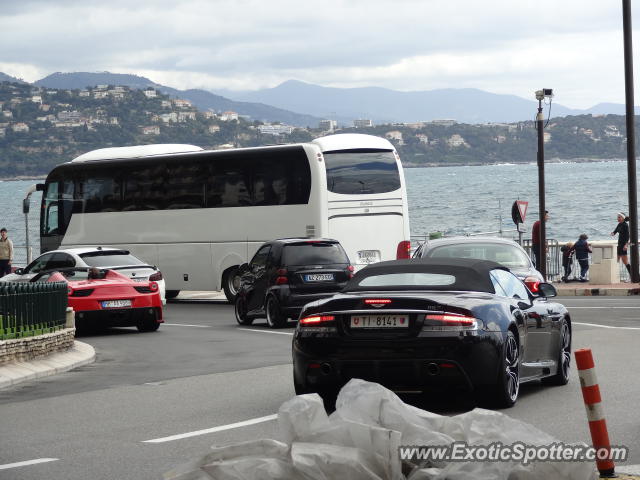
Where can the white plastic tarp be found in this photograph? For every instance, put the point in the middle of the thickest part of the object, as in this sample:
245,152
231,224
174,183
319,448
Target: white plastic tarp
361,440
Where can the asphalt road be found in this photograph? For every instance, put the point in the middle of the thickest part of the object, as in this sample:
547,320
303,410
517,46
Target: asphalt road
153,401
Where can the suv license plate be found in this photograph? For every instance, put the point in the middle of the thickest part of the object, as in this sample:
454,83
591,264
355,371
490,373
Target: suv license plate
318,277
379,321
116,303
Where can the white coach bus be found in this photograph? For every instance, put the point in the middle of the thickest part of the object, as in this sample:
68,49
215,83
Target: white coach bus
199,214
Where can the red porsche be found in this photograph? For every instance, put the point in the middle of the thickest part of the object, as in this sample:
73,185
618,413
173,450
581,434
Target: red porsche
106,298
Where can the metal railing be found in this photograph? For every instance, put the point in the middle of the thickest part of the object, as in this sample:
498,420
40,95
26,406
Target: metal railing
28,309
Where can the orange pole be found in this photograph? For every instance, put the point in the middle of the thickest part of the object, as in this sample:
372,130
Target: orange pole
595,412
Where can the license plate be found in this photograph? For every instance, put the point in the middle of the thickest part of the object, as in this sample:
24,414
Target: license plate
116,303
379,321
318,277
139,279
368,256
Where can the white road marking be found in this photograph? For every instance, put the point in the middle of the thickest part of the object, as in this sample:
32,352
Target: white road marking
27,463
264,331
231,426
608,308
605,326
185,325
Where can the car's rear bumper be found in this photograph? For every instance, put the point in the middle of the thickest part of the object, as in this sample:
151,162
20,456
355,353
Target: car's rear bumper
420,365
118,317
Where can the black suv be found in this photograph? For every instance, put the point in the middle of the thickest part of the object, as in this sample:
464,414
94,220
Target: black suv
286,274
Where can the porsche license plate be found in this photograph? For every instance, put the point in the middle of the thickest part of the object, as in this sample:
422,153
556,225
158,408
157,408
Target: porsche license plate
116,303
318,277
380,321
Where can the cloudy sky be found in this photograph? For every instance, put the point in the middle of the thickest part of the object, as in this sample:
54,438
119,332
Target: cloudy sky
501,46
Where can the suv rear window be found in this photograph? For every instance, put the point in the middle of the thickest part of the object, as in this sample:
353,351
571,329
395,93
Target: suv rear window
110,259
314,253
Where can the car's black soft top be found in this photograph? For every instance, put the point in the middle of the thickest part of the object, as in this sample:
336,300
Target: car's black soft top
470,274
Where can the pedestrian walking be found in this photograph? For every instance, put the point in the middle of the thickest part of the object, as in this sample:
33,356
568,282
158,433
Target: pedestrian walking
567,259
535,240
6,253
583,249
622,230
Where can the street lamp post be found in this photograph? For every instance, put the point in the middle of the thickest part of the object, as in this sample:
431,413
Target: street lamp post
541,261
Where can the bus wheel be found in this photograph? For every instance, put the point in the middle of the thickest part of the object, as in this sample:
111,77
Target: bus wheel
231,283
169,294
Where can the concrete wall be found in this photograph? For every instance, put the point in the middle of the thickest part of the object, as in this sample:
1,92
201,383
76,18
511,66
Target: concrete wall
29,348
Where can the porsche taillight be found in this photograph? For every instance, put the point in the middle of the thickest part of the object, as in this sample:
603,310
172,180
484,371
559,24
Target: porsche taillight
316,320
533,283
449,321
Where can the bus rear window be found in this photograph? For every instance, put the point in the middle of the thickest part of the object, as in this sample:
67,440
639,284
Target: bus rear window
360,172
316,253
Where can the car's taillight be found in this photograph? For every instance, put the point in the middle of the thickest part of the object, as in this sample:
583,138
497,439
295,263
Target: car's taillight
376,302
155,277
350,271
450,320
282,278
316,319
404,250
153,286
533,283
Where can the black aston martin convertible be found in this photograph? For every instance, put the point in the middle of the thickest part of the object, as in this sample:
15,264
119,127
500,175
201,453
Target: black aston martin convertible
422,324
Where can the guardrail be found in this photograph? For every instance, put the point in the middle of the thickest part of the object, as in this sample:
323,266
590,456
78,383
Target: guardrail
28,309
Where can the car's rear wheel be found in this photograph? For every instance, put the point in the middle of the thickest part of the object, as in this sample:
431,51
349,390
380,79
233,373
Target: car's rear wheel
564,357
504,393
149,323
275,317
241,311
169,294
231,283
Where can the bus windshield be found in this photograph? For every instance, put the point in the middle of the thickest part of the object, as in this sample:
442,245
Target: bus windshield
359,172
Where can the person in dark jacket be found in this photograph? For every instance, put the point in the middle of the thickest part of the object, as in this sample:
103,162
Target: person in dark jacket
582,249
622,229
567,260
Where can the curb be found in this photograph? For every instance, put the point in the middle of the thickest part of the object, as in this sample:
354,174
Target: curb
597,290
78,355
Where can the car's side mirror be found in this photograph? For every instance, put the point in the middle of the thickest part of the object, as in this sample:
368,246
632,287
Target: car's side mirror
547,290
19,271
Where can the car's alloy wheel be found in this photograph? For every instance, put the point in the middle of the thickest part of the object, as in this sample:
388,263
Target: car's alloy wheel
275,318
511,369
564,357
241,311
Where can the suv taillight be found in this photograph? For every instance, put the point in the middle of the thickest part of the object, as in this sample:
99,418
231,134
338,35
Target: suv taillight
404,250
350,271
156,276
282,278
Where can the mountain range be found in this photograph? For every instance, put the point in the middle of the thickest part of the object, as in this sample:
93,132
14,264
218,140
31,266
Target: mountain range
303,104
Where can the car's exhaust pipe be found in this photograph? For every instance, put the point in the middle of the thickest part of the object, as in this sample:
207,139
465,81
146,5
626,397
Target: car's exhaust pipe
433,369
326,369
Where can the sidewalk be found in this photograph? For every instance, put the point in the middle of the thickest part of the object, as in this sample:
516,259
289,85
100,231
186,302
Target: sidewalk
589,289
16,372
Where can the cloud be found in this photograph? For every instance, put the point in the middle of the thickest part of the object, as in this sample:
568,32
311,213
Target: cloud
499,45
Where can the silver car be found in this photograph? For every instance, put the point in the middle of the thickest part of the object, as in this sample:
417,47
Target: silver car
102,257
500,250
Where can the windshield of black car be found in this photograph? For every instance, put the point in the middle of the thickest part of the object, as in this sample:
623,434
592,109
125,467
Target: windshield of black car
105,259
359,172
506,255
314,253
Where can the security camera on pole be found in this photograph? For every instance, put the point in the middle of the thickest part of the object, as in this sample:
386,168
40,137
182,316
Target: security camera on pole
541,264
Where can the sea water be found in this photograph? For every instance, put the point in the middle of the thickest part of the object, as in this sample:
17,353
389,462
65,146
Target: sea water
580,197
